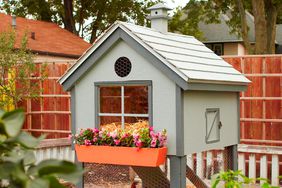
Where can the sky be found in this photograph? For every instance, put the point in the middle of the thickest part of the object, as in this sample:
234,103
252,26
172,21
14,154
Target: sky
175,3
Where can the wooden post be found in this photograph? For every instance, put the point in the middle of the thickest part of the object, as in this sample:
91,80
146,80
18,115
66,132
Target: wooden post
232,157
177,171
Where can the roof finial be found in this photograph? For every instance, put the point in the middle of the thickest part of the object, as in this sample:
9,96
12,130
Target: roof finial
159,17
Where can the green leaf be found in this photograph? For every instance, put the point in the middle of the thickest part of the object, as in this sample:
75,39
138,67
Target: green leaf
53,181
29,141
63,169
12,122
38,182
2,112
6,169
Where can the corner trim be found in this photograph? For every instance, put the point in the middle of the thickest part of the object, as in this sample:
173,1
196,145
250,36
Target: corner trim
73,113
179,95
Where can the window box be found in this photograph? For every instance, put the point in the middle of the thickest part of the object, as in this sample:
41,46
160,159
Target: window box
150,157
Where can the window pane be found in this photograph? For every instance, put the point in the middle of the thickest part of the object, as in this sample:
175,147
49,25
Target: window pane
110,122
136,122
110,99
136,99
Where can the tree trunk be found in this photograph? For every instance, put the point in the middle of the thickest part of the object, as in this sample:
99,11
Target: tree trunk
260,26
271,17
244,26
68,16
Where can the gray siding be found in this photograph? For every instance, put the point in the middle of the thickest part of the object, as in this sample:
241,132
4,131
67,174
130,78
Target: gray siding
163,90
195,105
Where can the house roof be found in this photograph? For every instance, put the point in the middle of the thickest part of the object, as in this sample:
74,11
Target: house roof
279,33
49,37
159,6
182,58
221,32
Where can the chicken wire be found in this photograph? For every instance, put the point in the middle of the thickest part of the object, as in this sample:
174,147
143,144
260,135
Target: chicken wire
201,168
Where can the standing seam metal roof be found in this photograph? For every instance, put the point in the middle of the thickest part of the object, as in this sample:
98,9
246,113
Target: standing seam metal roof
188,55
185,55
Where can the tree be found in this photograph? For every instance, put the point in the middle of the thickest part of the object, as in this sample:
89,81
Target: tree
265,14
16,69
17,159
87,18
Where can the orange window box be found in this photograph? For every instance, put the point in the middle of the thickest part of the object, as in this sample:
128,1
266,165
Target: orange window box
150,157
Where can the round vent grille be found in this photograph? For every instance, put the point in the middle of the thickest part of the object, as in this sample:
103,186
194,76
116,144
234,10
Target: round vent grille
122,66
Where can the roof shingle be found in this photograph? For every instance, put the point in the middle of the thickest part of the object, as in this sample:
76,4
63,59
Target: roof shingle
49,37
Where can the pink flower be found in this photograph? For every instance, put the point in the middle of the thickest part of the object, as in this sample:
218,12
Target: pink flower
125,135
135,136
152,134
153,143
138,143
117,142
113,134
87,142
69,137
95,139
100,133
151,128
95,130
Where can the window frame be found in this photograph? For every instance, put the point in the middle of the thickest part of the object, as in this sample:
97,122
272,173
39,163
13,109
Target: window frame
122,84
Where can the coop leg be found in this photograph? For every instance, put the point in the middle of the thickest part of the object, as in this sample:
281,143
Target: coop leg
177,171
232,157
80,184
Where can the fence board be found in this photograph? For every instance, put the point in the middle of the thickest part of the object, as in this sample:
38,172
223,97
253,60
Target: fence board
261,108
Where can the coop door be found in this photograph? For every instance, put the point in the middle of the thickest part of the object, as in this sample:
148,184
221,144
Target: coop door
213,125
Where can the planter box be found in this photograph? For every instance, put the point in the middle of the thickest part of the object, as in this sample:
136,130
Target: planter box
150,157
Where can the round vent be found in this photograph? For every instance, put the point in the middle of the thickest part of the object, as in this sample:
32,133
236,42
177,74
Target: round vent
122,66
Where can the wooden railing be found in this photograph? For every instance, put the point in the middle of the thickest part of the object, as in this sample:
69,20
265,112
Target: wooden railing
55,149
253,161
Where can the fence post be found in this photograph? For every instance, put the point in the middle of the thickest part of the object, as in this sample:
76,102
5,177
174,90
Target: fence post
232,157
177,171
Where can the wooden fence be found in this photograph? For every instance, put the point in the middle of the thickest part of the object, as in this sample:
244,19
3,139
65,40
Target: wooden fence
49,113
261,109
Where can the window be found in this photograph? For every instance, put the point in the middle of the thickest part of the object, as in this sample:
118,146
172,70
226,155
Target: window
122,104
217,48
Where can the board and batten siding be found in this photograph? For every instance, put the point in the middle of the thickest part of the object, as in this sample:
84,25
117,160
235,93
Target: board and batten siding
163,89
195,105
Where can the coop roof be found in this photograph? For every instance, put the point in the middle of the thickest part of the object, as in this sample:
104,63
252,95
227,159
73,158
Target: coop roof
182,58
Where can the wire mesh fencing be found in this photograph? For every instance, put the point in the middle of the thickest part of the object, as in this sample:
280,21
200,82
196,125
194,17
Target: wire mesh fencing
201,168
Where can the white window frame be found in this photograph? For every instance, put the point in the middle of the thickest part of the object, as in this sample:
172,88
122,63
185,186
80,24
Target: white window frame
98,114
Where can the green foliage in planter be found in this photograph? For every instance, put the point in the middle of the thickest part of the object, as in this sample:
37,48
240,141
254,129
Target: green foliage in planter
236,179
17,159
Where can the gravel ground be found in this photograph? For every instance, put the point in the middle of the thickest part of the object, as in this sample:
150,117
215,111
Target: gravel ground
107,176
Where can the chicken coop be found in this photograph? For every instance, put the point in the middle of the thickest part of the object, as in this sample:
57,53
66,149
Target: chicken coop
134,74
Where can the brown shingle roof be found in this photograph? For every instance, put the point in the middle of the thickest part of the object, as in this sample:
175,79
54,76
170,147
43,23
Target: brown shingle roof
49,37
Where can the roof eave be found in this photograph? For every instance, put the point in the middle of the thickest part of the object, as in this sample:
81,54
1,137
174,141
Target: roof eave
213,85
